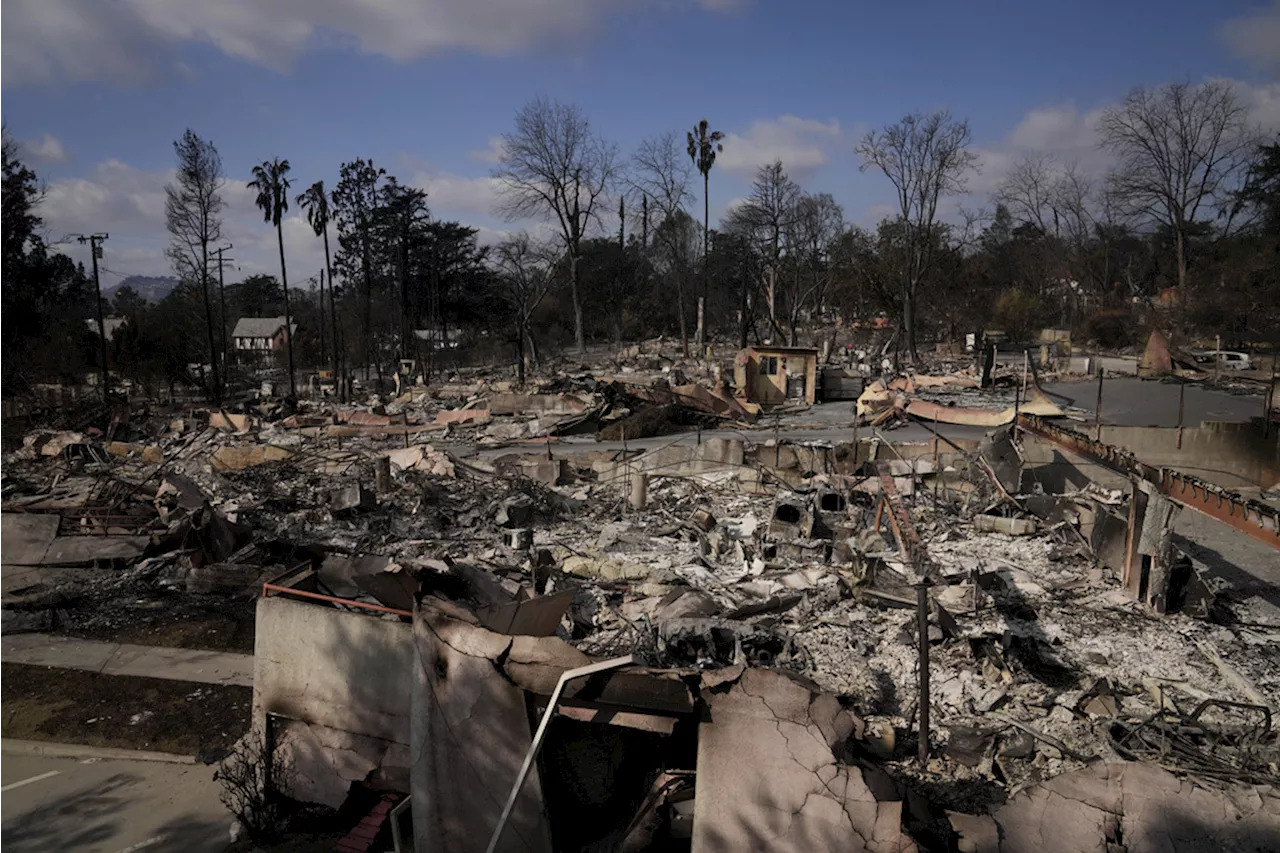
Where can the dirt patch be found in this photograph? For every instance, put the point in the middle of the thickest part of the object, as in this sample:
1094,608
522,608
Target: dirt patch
71,706
216,626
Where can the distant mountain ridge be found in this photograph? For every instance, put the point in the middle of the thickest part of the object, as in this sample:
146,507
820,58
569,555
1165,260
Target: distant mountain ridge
151,288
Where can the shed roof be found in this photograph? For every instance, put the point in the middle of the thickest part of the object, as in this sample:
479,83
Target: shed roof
257,327
768,350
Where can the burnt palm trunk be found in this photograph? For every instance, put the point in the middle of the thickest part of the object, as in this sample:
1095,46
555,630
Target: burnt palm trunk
288,320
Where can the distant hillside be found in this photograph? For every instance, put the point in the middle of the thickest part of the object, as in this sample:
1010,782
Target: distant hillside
150,288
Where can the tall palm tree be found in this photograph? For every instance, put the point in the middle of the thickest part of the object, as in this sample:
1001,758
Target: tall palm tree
315,201
704,143
273,200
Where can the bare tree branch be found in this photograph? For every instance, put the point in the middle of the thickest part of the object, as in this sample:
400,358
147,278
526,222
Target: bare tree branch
1183,154
925,157
555,167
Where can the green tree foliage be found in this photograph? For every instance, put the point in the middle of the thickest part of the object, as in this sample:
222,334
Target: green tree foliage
256,296
127,302
1018,313
355,206
46,297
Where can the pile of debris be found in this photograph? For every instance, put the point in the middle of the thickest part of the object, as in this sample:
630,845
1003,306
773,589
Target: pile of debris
776,606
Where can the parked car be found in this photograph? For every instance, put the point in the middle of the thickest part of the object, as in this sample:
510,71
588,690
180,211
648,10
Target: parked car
1226,358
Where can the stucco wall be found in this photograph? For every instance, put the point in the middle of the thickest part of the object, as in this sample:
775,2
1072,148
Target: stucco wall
348,671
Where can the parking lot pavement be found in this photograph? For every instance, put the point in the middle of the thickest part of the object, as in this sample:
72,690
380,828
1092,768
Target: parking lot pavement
112,806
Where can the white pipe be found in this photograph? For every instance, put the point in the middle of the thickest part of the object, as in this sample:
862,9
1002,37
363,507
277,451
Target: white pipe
532,754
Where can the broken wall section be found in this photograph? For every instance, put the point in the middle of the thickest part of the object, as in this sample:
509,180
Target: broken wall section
334,684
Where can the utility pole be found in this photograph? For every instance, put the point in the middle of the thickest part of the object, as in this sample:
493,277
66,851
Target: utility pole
94,241
222,302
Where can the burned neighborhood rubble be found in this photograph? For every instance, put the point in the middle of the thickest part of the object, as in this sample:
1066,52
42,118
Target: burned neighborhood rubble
626,608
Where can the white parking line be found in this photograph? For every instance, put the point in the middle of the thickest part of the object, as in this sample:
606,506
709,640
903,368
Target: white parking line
143,845
13,785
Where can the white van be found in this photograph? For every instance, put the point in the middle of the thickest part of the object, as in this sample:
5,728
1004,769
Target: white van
1226,358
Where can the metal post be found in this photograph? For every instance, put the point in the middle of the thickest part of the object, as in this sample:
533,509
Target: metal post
1026,361
1217,357
1017,395
1097,415
855,438
777,447
534,747
937,462
922,629
1182,396
222,306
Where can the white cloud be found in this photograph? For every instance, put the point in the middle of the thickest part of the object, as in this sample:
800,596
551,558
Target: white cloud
128,203
1056,128
1263,103
46,149
1062,131
453,196
491,153
1255,37
46,41
802,145
113,197
1070,136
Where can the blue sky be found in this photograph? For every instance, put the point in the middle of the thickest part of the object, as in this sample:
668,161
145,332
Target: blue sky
97,91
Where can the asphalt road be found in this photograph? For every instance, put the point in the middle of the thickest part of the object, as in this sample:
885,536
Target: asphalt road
1126,401
68,804
1141,402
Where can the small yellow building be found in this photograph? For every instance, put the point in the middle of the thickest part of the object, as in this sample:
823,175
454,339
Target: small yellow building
770,376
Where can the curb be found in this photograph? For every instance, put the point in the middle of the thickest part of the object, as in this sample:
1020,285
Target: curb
49,749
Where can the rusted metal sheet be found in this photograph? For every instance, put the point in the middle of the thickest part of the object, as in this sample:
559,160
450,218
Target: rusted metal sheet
1255,518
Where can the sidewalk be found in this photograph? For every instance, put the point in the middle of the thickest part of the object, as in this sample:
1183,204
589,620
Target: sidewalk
126,659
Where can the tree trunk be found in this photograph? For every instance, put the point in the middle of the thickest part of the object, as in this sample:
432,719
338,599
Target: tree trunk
909,321
578,337
319,362
706,259
520,366
368,307
743,306
208,317
684,323
771,288
288,322
406,327
333,313
1182,262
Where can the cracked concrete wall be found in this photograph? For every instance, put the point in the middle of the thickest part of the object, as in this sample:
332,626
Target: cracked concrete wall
1231,455
333,668
715,459
1126,807
470,735
768,778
